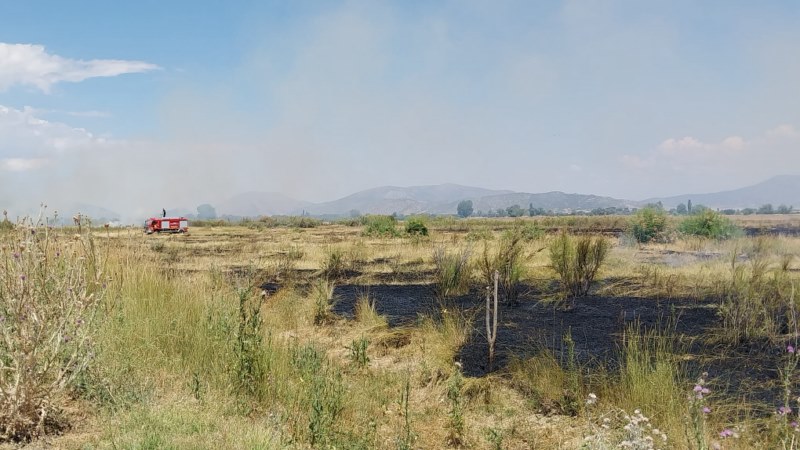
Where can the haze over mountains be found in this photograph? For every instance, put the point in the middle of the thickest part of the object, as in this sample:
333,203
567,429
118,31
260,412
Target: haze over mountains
444,198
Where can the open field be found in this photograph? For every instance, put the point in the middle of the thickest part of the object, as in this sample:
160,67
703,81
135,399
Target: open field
324,337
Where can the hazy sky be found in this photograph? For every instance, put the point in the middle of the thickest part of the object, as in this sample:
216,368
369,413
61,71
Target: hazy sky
135,105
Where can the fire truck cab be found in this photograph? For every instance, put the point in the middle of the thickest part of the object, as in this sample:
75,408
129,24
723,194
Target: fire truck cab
166,225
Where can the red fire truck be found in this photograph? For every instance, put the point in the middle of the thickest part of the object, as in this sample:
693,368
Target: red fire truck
166,225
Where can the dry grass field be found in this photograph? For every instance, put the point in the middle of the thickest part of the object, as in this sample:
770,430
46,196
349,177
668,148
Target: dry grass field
255,336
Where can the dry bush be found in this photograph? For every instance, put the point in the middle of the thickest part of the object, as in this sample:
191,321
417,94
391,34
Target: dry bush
322,294
576,261
507,261
50,290
756,301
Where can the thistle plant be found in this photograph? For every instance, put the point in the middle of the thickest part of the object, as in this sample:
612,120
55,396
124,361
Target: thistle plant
698,410
50,290
637,433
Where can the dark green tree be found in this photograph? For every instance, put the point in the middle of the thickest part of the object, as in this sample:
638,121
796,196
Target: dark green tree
206,212
465,208
515,211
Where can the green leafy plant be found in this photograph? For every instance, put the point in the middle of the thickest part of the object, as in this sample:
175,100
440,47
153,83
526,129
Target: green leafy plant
649,224
406,439
709,224
358,351
455,435
380,226
248,348
416,227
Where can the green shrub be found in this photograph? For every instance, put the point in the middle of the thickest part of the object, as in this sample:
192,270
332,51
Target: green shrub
416,227
380,226
710,224
649,224
576,261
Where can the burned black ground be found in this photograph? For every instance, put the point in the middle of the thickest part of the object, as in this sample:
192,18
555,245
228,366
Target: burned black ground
597,326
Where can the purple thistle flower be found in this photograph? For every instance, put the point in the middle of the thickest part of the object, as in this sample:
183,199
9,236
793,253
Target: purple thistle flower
706,410
784,410
698,388
727,432
793,424
790,348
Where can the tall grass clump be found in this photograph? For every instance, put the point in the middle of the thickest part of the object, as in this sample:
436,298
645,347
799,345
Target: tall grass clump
441,340
380,226
366,313
322,294
546,382
452,274
756,302
334,265
51,289
708,224
651,377
577,260
507,261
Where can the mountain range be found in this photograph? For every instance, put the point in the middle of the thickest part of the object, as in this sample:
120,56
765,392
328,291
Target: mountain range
444,199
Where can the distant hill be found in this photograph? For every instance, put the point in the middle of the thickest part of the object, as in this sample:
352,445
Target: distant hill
556,201
444,199
253,204
784,189
98,214
433,199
